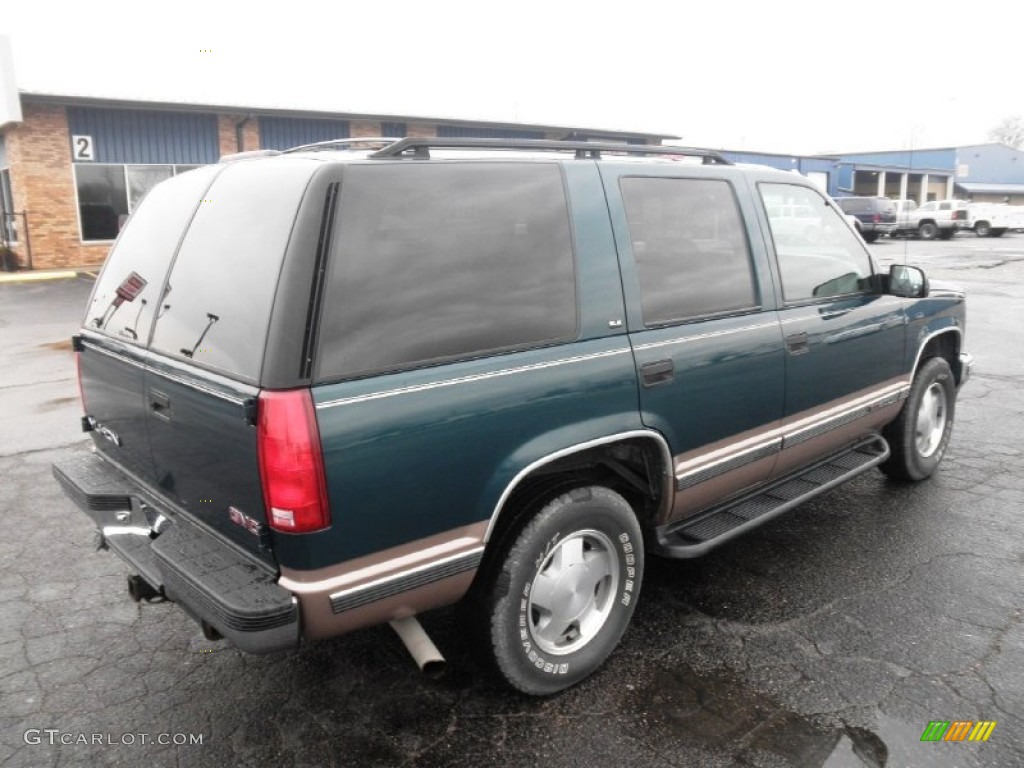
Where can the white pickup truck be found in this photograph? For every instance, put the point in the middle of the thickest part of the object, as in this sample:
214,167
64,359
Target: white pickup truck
994,219
938,218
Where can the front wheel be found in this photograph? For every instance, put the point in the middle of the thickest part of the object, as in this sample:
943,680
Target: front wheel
919,435
870,237
564,591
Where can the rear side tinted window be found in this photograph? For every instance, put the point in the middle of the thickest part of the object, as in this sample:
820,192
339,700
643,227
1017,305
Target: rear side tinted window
127,293
221,288
436,262
689,247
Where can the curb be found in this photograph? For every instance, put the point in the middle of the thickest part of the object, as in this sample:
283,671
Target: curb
33,276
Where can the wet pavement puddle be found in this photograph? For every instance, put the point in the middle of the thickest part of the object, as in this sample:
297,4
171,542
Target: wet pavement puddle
720,714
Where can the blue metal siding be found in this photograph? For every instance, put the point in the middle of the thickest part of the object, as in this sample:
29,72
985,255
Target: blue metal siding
461,132
397,130
908,160
288,132
989,164
138,136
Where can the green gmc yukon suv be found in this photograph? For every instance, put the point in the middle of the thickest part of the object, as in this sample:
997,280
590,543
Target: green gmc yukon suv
345,384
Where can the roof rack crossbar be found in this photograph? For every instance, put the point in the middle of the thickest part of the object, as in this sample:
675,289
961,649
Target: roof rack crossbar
420,148
344,143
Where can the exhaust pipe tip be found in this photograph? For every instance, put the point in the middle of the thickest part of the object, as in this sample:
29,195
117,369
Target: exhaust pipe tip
420,647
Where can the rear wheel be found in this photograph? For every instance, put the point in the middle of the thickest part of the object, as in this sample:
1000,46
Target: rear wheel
563,591
982,229
919,435
870,237
927,230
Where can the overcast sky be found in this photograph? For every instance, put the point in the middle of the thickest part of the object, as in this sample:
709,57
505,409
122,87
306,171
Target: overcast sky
785,76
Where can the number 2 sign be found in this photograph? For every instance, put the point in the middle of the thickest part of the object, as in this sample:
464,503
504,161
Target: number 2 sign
81,148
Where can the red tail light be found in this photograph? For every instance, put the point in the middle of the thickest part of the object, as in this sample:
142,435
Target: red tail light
877,218
291,464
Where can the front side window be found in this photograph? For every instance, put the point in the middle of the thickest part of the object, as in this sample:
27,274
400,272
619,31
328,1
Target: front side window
438,262
818,254
689,247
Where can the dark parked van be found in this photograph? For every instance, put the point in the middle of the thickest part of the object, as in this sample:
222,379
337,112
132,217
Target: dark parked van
336,387
876,216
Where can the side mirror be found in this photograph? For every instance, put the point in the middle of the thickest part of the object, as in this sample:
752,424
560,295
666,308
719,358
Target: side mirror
908,282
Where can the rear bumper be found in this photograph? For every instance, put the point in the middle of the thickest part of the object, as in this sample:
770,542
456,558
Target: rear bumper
213,581
882,228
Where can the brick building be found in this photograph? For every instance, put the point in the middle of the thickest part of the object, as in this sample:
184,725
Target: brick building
73,168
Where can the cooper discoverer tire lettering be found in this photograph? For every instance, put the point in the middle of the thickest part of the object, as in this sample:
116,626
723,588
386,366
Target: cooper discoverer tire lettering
565,590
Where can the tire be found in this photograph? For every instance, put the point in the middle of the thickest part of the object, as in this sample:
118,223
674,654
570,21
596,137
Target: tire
870,237
982,229
919,435
561,593
927,230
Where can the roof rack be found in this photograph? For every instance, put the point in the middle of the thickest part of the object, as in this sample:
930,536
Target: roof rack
420,148
331,143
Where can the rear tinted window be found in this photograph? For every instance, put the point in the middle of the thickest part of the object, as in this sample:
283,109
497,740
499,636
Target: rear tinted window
435,262
126,294
217,304
689,247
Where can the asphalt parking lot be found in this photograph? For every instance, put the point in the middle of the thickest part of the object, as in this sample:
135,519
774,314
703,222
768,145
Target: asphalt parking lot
830,637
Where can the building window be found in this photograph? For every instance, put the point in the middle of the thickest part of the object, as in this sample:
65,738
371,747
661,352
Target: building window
394,130
8,229
108,193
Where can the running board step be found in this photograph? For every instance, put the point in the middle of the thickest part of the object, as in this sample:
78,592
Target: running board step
694,536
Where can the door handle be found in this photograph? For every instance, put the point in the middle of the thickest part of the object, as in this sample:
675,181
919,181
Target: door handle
160,405
658,372
796,343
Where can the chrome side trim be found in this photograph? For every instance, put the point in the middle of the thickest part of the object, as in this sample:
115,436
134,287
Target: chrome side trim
398,583
149,368
645,433
929,337
728,464
698,470
468,379
699,336
839,420
196,385
401,565
115,355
